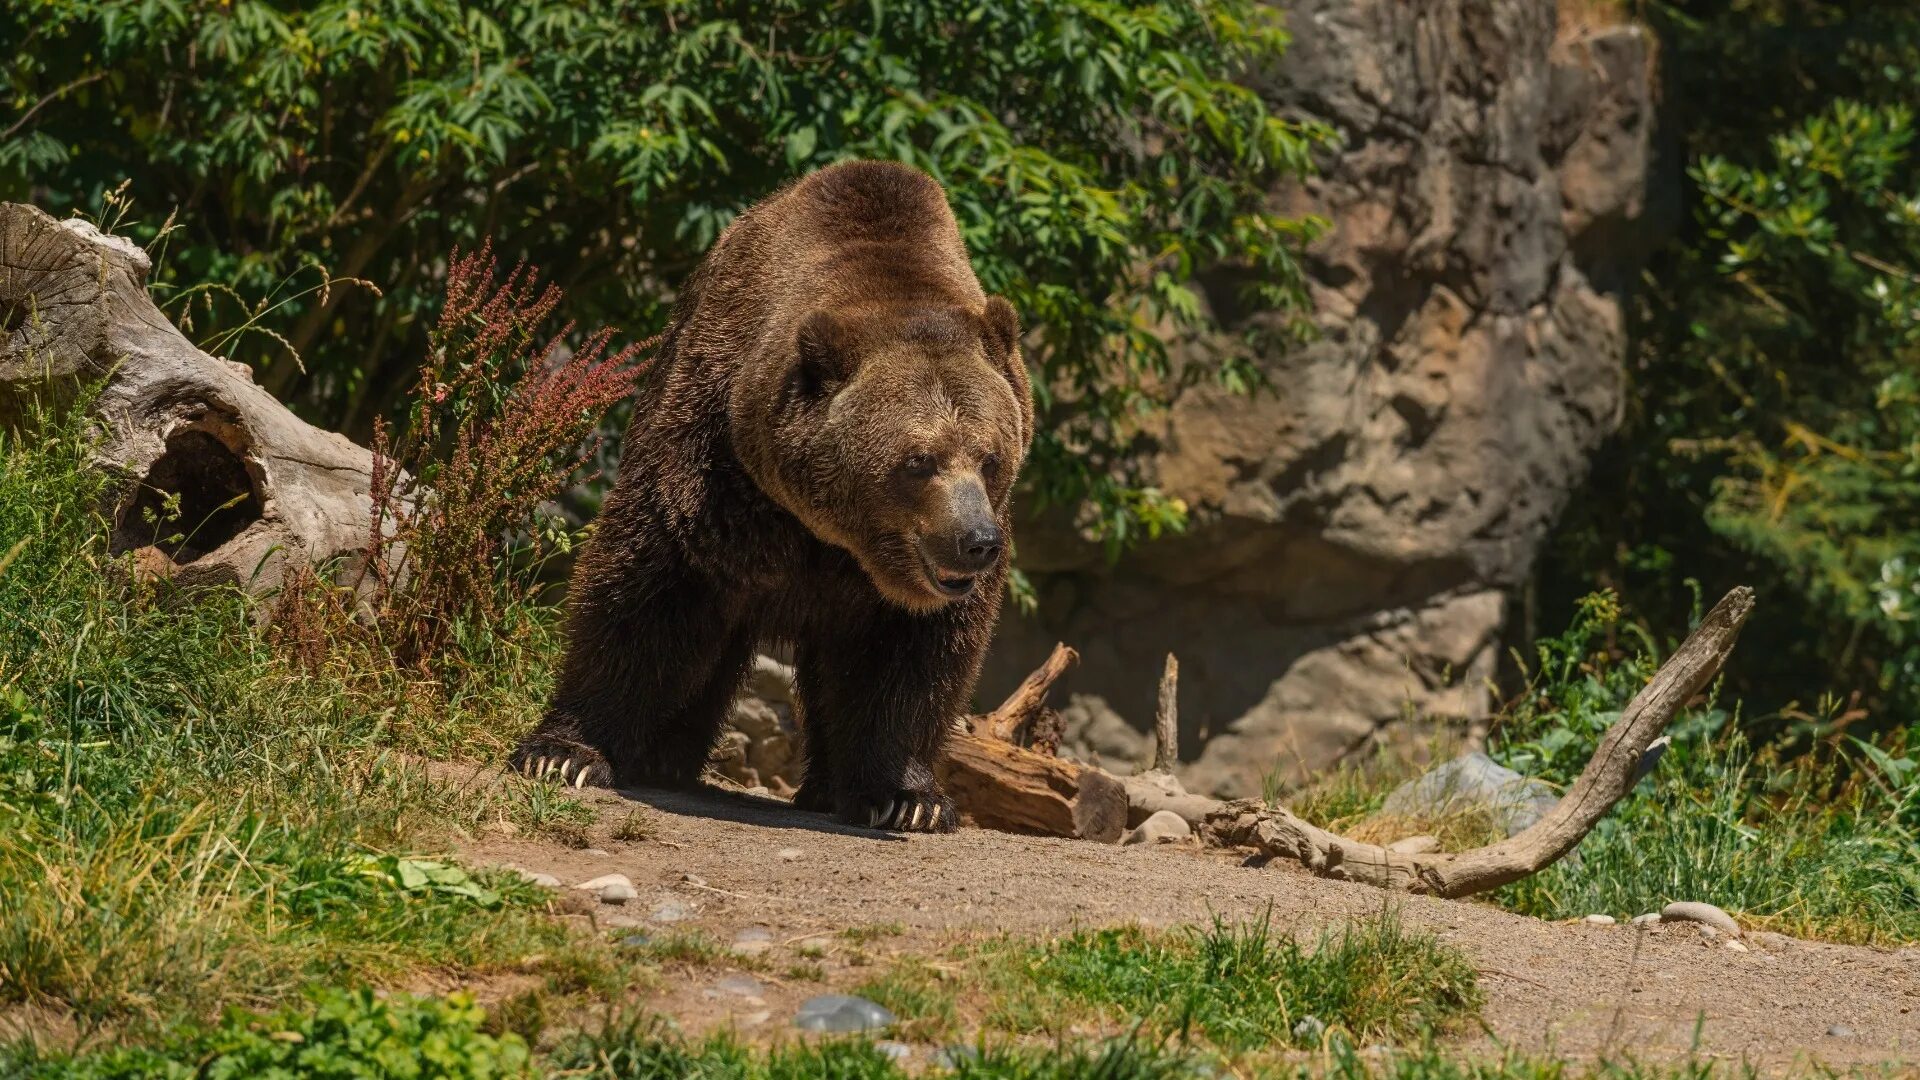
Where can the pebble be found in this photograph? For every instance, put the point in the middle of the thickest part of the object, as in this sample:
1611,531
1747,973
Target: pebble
1163,827
788,854
599,852
755,1018
1648,919
1309,1029
1600,920
1736,946
694,880
841,1013
1705,914
615,892
955,1055
670,911
1840,1031
1707,933
740,986
545,881
898,1051
754,939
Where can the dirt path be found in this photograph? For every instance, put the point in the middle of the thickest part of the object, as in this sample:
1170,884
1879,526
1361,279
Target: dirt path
1571,988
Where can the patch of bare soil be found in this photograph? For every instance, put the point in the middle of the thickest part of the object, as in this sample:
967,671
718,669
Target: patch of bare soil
726,862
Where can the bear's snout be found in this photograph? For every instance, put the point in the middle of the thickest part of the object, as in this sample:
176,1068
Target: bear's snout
978,547
963,540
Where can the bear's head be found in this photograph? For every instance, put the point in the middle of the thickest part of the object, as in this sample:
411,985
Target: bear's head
896,434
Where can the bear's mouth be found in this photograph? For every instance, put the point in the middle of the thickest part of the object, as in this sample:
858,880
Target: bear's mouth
945,582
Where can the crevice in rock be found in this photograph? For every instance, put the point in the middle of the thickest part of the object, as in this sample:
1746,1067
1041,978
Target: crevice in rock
195,497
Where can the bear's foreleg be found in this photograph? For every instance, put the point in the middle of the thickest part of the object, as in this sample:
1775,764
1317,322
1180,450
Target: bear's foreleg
877,710
650,671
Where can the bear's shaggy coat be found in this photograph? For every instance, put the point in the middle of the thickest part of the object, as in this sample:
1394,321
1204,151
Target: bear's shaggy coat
822,456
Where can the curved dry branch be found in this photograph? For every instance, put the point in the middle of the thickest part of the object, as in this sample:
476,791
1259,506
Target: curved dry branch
1607,779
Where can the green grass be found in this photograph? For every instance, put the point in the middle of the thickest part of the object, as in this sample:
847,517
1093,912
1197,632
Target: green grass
187,821
1240,987
1822,845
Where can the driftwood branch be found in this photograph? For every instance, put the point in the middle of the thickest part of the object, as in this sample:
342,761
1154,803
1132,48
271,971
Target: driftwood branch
1609,775
995,780
1166,718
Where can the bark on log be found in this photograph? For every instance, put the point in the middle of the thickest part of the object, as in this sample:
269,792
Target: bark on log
1609,775
258,489
1002,786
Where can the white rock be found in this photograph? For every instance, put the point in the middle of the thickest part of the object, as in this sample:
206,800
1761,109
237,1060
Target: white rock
1648,919
1600,920
788,854
1705,914
1736,946
604,880
753,940
1163,827
545,881
617,893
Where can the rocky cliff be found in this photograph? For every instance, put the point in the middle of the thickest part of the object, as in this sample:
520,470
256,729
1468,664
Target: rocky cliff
1359,528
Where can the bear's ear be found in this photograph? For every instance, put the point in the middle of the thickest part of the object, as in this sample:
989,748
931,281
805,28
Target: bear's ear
1000,334
824,353
1002,328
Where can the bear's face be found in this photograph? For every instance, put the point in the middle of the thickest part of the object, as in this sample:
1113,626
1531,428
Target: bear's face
899,436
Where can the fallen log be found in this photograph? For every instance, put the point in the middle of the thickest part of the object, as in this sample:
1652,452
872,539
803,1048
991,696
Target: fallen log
999,784
1002,786
217,481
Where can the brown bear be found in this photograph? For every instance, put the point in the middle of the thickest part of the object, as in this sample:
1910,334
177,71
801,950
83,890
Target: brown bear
822,456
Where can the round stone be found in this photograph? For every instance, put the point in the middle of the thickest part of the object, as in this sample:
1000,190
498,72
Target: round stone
841,1013
1599,920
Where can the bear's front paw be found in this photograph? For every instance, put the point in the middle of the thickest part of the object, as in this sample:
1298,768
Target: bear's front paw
558,759
905,811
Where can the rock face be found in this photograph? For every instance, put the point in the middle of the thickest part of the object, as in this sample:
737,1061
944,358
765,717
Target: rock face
1358,529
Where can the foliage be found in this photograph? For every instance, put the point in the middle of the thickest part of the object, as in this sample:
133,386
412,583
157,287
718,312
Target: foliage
499,425
1773,431
1098,154
339,1035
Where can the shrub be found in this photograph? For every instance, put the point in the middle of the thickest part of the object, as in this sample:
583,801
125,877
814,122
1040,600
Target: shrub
501,422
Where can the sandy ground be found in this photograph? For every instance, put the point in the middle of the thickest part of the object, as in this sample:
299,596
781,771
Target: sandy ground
728,861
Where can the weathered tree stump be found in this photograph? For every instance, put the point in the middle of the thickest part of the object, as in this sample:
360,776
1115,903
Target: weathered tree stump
218,483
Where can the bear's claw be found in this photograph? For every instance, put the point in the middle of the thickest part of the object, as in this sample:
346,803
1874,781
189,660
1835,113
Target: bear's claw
574,767
908,811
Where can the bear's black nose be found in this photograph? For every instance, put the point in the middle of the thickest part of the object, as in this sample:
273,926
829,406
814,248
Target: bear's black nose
979,546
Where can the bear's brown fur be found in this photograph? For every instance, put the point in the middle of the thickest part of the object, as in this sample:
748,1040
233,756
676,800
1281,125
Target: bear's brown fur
823,456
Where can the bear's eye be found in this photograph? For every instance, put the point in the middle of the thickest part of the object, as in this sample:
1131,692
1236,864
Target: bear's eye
920,465
990,466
